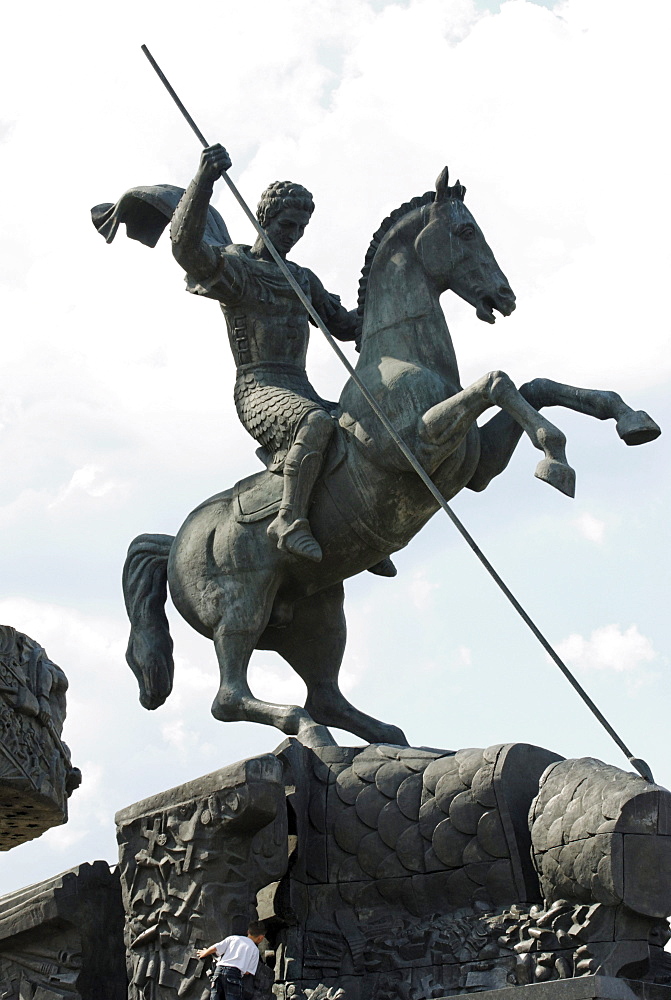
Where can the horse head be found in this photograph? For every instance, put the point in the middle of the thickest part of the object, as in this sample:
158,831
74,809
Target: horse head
455,254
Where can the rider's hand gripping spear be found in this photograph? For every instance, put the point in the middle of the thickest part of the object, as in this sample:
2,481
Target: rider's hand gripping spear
640,765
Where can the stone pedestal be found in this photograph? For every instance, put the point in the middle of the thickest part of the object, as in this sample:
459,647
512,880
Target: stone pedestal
399,873
583,988
64,938
36,773
192,860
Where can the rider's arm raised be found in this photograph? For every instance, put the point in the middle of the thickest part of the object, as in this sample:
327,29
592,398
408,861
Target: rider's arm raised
198,258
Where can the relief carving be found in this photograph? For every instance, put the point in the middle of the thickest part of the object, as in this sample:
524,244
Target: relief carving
63,938
392,872
191,862
36,772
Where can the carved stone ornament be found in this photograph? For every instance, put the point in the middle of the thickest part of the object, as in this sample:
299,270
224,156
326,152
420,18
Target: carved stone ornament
63,938
192,860
36,772
395,872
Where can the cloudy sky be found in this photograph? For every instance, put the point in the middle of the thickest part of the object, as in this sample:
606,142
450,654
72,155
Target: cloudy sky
116,412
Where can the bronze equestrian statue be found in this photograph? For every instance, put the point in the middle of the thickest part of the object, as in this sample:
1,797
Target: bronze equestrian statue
261,565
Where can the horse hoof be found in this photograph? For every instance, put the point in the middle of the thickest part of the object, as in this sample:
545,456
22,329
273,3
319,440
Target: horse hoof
312,734
224,711
395,737
637,427
557,474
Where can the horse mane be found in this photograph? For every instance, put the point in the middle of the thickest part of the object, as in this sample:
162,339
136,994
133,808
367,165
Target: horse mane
418,202
457,191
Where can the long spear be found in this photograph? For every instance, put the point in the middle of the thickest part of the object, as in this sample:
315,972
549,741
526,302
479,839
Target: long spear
636,762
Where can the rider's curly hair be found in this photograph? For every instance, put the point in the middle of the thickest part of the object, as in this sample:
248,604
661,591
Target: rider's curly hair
283,194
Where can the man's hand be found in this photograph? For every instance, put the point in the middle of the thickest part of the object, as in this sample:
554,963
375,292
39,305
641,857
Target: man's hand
204,952
213,162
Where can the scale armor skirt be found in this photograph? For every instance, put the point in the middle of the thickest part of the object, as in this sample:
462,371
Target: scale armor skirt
272,401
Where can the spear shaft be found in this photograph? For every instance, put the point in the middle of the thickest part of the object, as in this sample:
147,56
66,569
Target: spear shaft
314,315
636,762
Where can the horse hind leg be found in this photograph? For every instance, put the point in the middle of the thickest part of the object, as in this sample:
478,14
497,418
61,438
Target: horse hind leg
246,610
235,702
313,645
633,426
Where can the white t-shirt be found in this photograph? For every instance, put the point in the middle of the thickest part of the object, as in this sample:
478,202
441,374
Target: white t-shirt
238,951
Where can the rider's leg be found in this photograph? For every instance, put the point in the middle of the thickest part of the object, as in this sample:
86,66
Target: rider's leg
290,528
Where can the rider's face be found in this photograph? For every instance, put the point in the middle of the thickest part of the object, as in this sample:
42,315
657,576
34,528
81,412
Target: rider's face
286,228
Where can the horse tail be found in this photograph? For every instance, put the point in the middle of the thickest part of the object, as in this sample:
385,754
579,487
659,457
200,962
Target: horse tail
145,591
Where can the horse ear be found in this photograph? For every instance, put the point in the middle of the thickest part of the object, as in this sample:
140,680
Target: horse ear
441,184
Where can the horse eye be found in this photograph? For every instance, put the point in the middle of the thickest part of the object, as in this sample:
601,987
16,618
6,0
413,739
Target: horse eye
466,233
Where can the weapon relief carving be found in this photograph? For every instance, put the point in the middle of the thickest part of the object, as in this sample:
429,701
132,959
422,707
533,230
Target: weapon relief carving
190,872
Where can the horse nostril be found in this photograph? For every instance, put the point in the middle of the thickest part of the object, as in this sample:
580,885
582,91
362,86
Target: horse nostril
506,292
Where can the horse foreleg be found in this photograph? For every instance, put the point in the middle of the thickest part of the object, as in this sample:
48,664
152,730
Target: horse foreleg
313,644
633,426
444,426
498,439
500,435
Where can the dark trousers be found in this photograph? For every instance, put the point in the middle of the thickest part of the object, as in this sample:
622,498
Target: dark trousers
226,984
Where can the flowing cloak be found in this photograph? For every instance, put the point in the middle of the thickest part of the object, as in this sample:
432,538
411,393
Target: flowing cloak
146,211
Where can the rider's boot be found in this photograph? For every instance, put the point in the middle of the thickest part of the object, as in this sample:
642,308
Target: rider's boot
291,528
384,567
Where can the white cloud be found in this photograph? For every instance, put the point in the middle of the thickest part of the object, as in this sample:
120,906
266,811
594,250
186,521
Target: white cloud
277,683
177,738
463,657
348,679
86,480
609,648
591,527
421,591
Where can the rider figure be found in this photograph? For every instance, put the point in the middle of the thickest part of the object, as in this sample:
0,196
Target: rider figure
268,333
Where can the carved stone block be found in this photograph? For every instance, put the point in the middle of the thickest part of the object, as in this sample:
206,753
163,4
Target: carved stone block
64,938
192,860
36,773
601,834
587,988
399,872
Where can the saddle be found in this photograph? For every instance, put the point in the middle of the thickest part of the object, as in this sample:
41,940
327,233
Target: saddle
259,496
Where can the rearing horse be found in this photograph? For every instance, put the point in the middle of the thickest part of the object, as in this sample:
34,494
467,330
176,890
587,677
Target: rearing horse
232,583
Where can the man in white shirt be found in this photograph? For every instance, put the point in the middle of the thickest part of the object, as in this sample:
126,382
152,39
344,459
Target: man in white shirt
237,956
